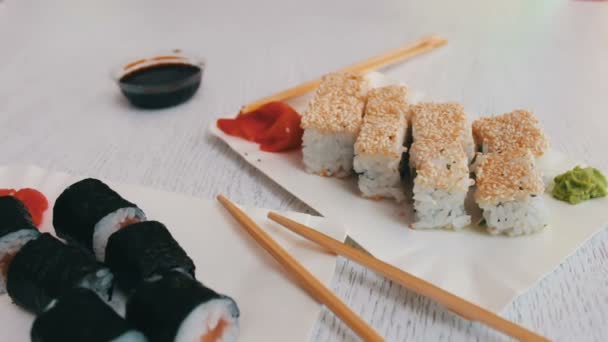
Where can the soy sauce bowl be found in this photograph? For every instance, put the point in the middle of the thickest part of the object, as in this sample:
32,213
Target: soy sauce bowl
160,81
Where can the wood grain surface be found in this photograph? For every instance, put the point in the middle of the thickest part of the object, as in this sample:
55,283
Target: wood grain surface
60,109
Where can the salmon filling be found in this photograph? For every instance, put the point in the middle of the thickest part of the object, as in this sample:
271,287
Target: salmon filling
5,263
215,333
127,222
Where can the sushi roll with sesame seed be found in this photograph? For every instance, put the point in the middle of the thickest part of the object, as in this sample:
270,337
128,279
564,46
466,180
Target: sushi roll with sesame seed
331,124
181,309
145,251
518,129
509,191
89,211
80,315
442,122
441,183
16,230
46,268
381,143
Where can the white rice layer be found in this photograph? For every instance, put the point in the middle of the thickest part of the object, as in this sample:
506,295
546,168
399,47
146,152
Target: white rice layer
328,154
436,208
217,317
516,217
379,176
10,244
99,282
130,336
110,224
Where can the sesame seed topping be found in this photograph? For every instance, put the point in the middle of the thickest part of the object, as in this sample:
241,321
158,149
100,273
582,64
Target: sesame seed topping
514,130
337,105
385,123
507,176
442,122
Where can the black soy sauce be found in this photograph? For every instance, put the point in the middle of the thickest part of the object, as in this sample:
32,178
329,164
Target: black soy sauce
161,85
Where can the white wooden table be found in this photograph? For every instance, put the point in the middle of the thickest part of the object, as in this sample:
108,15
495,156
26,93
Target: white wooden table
60,110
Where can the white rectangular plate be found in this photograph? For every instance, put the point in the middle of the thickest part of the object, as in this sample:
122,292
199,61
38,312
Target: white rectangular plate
487,270
226,258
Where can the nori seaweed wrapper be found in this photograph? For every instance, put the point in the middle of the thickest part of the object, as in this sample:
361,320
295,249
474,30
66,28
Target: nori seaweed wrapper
14,216
83,204
404,168
158,308
46,268
142,250
79,315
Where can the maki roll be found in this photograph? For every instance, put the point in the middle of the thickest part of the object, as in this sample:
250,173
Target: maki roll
509,186
439,162
144,251
381,143
80,315
179,308
331,124
16,229
509,191
441,182
89,211
46,268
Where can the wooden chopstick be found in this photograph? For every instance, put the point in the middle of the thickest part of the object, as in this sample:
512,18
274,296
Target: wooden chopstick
376,62
456,304
304,277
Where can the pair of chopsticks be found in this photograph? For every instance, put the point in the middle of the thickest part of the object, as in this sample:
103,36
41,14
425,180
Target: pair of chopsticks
408,51
311,284
454,303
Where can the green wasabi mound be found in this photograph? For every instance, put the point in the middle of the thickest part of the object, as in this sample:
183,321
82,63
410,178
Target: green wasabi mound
580,184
